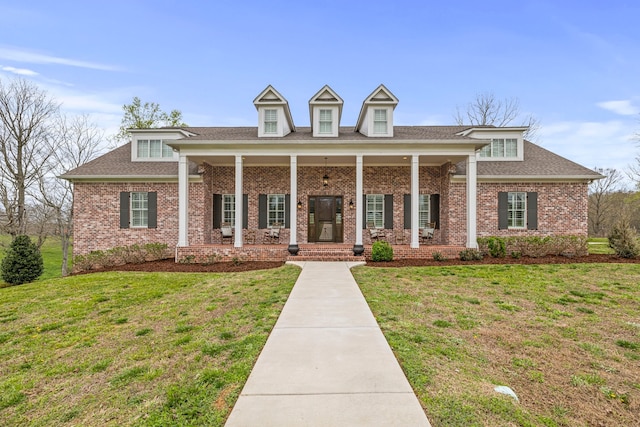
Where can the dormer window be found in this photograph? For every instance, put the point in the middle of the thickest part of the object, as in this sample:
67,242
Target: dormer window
376,115
153,149
271,121
501,148
326,122
380,121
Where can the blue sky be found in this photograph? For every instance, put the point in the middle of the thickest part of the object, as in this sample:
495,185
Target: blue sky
575,65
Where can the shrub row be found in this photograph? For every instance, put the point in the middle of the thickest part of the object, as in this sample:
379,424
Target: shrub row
533,246
133,254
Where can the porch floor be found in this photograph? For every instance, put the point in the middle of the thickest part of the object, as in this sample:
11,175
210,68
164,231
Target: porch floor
308,252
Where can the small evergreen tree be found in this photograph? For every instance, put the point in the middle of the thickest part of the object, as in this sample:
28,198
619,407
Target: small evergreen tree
22,262
624,240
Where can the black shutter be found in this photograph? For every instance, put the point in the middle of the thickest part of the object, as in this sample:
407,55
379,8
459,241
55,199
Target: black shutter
245,211
262,211
217,210
388,211
503,210
434,209
532,211
364,211
407,211
152,209
287,212
124,209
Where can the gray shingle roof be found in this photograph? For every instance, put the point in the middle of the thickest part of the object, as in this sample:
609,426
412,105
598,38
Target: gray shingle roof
346,133
537,162
117,163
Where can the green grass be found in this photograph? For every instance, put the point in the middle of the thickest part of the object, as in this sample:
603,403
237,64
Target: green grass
599,245
134,348
51,251
565,338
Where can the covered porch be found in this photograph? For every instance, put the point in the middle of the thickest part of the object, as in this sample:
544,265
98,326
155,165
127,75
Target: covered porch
325,199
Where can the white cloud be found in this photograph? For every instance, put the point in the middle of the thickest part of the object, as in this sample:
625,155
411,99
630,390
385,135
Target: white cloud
623,107
19,71
21,55
603,144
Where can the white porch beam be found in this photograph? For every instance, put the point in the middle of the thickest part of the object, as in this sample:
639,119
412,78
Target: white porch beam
358,247
293,206
239,218
472,209
415,199
183,201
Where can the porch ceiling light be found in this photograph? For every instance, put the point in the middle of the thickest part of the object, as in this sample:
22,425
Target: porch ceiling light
325,178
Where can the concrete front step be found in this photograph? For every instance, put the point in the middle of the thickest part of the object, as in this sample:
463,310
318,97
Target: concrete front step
326,254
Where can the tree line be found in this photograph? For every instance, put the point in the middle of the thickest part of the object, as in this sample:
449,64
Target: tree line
38,143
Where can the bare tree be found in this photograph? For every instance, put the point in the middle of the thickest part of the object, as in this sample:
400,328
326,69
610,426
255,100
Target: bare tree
602,204
76,142
25,118
487,110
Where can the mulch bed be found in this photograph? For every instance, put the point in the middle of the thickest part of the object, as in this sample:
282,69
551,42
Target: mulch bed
169,265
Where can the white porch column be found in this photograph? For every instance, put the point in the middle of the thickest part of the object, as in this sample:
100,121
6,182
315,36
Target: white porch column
293,207
415,201
183,201
358,247
239,219
472,190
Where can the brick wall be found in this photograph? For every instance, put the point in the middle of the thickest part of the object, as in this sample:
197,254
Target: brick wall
562,208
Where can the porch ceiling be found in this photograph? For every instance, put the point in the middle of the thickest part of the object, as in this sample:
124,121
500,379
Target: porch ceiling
368,160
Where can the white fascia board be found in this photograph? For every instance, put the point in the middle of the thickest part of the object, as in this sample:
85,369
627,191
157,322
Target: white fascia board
526,178
472,129
129,178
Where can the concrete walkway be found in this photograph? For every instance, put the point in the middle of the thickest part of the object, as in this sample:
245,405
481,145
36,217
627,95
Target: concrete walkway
326,362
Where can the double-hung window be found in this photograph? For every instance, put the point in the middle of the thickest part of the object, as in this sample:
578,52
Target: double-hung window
424,214
229,209
379,121
325,122
275,209
154,149
139,209
270,121
375,210
517,209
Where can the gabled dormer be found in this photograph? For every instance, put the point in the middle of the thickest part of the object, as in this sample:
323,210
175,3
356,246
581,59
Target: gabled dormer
376,115
506,143
325,111
274,116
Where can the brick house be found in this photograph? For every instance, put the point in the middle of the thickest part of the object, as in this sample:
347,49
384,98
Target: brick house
326,184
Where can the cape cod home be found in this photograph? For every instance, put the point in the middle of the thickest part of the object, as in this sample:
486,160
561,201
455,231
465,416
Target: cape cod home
276,190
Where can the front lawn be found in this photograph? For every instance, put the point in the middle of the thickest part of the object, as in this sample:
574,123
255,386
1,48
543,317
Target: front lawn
565,338
134,348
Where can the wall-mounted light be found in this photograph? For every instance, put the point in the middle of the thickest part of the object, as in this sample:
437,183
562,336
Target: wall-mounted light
299,204
325,178
351,204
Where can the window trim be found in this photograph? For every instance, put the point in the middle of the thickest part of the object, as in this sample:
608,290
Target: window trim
267,120
512,210
144,217
277,211
422,199
232,211
377,121
491,151
370,214
165,152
